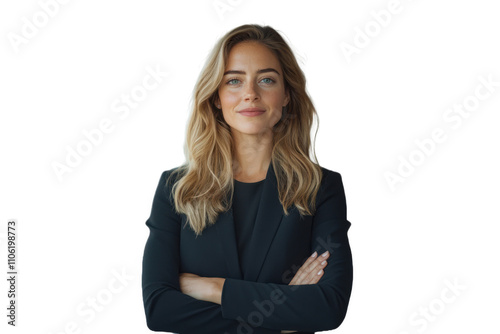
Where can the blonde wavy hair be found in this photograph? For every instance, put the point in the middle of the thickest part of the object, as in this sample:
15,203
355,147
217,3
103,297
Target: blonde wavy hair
204,183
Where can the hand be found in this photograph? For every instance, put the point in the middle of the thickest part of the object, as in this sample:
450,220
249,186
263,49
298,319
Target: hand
308,272
202,288
192,285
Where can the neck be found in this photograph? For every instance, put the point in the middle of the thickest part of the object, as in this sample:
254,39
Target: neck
252,156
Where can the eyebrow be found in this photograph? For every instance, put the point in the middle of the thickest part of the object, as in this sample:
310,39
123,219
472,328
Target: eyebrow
264,70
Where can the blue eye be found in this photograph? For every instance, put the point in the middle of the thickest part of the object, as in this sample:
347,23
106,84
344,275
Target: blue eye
268,82
229,81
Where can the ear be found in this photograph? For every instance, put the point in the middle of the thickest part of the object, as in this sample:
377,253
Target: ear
287,97
217,101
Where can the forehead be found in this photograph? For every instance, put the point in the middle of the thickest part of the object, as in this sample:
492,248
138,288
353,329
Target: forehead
251,54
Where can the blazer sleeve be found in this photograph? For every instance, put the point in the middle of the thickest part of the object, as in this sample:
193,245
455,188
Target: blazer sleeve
167,308
313,307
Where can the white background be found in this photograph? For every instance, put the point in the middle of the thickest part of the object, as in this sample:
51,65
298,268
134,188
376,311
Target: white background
439,225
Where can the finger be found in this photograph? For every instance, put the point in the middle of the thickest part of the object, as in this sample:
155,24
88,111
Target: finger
303,272
306,273
313,274
300,272
316,274
314,265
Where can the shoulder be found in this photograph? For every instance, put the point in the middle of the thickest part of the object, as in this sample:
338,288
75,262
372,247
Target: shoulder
170,176
327,171
167,180
330,178
331,194
331,185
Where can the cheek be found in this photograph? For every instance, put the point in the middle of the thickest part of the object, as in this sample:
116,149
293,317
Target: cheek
228,98
274,99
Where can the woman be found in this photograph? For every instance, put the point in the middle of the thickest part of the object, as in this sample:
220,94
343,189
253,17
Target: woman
232,230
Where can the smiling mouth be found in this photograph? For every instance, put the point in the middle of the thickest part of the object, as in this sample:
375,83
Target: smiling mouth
252,111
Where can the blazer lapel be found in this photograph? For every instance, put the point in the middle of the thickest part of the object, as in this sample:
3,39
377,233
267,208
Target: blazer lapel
268,219
227,241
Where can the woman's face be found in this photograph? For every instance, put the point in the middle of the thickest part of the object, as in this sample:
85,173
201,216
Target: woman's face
252,79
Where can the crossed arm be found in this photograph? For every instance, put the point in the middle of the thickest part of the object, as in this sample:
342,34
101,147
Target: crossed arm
187,303
210,288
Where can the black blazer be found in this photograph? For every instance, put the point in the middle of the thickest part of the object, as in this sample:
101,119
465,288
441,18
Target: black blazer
263,302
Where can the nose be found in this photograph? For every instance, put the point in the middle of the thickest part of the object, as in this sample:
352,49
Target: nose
251,92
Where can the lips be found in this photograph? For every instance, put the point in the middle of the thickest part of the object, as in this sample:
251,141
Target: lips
252,111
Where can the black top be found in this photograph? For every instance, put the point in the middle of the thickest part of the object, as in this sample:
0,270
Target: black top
246,198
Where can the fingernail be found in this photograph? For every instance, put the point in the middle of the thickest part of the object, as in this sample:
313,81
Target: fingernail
325,254
314,254
319,272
